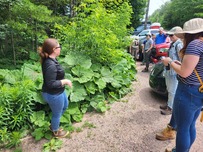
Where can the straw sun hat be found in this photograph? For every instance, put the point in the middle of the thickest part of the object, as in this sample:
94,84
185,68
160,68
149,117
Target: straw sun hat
176,29
192,26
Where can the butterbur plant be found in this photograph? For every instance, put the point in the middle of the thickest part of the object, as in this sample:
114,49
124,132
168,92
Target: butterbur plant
41,126
53,145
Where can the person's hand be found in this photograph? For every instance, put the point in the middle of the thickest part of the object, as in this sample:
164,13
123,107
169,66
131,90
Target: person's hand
166,60
66,82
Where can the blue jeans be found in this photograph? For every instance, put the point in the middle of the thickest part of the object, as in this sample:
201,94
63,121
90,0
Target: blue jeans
171,84
58,104
186,109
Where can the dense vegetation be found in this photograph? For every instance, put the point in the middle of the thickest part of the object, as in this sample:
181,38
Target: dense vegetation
93,35
177,12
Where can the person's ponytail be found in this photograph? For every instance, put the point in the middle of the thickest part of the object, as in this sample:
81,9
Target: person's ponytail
43,55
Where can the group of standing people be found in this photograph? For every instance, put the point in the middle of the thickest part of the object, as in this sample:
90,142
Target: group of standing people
183,80
184,84
149,44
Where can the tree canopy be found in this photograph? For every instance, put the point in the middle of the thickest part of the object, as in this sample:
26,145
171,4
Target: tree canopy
177,12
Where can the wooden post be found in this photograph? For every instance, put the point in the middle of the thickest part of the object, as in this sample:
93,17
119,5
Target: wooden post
146,16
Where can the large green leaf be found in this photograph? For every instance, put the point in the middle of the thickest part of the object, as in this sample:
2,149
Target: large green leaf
37,97
38,118
107,75
66,118
83,75
117,81
96,67
78,92
91,87
75,112
38,133
96,99
100,83
74,59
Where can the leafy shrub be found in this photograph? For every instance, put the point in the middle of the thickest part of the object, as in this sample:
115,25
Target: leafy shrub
94,59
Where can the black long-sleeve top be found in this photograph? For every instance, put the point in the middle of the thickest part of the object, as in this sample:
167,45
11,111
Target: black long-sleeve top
52,74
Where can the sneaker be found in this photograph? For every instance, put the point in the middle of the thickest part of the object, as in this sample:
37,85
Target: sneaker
60,133
167,134
163,107
168,111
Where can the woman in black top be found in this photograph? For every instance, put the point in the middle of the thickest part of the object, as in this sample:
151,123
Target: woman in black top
54,83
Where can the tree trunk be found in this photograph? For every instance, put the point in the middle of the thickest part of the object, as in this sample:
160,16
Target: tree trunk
13,48
36,45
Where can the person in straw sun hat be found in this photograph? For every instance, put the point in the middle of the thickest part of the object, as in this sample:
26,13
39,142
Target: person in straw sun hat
188,99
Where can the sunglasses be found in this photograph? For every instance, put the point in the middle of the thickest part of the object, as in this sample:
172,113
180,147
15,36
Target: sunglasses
170,35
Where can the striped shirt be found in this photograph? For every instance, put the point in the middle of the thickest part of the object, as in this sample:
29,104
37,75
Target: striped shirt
195,48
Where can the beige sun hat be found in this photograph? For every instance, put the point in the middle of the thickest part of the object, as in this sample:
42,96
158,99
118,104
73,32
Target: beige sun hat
174,30
192,26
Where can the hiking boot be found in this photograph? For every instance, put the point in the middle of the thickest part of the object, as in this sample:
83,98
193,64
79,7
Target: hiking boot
163,107
145,70
167,134
168,111
60,133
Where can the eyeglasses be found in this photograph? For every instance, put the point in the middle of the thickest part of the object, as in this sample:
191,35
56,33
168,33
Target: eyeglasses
171,35
58,47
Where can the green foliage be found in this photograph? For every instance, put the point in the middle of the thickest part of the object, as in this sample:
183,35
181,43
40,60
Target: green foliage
90,81
88,125
41,125
53,145
10,139
138,7
93,57
100,35
19,104
177,12
14,140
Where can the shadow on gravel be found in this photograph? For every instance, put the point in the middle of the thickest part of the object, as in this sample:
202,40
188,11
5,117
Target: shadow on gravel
144,117
151,98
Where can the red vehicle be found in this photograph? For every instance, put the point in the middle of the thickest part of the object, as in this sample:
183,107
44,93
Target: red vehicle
160,50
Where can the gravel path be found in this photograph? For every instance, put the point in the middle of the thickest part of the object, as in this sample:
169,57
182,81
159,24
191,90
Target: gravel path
127,127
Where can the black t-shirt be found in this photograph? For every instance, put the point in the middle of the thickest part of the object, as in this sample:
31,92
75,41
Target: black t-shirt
52,74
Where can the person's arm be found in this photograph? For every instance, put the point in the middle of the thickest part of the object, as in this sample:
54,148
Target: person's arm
142,47
189,63
50,73
151,46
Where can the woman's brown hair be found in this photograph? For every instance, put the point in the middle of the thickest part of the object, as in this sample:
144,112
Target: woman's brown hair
187,39
47,48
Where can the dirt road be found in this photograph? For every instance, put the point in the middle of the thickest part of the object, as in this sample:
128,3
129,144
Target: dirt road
127,127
